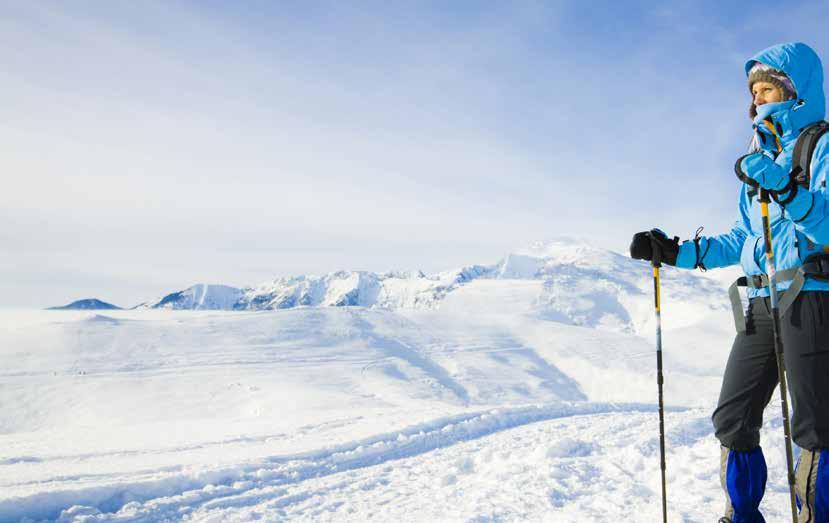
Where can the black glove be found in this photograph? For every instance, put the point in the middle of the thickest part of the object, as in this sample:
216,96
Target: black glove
645,243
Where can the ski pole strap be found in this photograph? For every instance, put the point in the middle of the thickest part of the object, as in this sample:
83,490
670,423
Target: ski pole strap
761,281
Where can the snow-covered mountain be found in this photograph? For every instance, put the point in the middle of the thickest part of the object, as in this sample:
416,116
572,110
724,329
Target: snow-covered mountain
198,297
576,284
359,288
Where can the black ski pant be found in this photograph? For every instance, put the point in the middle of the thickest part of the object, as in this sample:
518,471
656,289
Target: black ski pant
751,374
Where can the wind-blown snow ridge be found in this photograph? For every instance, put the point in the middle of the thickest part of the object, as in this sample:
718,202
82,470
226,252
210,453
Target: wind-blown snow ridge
168,492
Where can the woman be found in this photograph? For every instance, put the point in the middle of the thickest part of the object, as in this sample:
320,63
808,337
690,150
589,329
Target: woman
786,84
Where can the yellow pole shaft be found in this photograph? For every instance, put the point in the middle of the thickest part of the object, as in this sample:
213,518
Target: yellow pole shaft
657,297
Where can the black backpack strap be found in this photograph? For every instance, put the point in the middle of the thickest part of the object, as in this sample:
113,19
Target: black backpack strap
804,147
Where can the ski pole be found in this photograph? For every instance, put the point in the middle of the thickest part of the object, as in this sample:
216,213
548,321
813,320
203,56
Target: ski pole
775,317
778,345
775,322
656,261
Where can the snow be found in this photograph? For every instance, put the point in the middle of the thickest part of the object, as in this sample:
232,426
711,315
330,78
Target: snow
520,392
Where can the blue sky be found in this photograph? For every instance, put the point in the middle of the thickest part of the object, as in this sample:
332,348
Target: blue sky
147,146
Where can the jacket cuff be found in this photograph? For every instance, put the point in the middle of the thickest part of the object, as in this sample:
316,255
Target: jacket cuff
686,258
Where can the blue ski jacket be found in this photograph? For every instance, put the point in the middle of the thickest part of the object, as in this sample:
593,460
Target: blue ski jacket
801,227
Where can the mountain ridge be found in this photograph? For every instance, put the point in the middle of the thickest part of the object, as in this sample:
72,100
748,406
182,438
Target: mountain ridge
578,284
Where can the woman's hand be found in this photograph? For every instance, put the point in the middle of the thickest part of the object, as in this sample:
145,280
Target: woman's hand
761,169
644,243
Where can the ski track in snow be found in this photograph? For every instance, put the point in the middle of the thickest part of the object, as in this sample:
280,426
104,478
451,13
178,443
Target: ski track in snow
158,498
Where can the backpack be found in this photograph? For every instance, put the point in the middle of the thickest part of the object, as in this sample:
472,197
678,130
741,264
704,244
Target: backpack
804,147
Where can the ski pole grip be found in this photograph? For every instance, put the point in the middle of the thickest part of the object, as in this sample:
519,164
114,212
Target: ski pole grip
656,251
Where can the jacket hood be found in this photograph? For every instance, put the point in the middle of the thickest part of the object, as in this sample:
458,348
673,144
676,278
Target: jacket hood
804,68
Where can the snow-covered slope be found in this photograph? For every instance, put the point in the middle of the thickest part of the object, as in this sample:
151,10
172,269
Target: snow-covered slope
521,391
349,413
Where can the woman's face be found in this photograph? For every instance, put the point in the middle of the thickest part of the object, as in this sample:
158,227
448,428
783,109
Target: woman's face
765,92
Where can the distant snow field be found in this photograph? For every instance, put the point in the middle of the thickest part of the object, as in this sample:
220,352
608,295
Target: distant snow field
523,391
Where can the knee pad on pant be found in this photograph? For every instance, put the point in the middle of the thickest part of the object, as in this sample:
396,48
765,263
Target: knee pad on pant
744,477
812,486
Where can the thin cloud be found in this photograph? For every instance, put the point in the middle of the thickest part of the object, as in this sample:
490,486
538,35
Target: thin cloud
240,142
